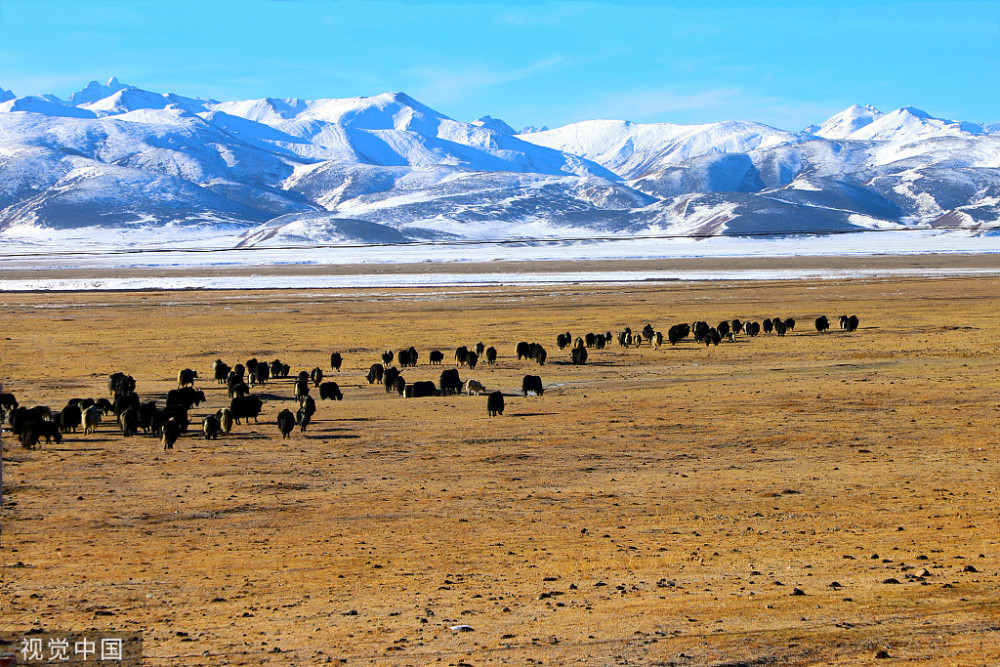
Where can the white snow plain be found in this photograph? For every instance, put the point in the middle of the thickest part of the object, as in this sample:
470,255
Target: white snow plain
39,254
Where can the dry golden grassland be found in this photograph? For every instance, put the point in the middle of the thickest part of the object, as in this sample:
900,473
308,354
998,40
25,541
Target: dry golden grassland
654,507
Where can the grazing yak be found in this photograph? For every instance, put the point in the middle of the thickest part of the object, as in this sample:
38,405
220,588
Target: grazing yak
157,421
70,418
849,323
306,410
389,379
245,408
29,434
407,358
768,325
330,390
822,324
221,371
335,361
451,383
171,431
316,376
211,427
7,402
461,355
398,385
225,417
260,375
648,332
119,383
129,421
185,397
563,340
146,412
779,327
420,390
186,377
790,323
91,418
236,386
523,350
387,357
375,374
125,401
491,355
494,404
677,333
471,360
301,388
30,424
436,357
590,340
539,354
178,413
50,431
480,348
702,332
473,387
286,422
532,384
579,355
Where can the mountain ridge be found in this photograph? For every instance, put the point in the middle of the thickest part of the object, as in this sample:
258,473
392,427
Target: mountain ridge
114,155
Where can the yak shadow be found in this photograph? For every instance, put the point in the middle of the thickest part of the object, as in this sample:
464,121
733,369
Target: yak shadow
73,451
272,397
232,436
90,439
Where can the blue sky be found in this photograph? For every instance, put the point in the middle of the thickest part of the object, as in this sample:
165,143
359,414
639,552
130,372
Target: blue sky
787,64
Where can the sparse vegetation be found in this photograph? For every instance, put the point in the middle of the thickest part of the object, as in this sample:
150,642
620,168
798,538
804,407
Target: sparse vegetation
655,506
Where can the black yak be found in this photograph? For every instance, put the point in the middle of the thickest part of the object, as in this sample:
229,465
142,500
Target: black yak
532,384
451,383
494,404
331,391
286,422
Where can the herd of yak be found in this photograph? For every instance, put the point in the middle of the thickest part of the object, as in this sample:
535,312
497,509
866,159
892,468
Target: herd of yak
132,415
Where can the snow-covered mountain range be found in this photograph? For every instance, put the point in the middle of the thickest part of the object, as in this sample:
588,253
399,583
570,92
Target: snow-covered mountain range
388,168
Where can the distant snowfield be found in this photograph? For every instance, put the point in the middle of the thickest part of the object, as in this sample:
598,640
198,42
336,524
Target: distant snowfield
202,264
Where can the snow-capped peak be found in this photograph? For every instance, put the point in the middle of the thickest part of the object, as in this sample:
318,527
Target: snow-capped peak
95,91
531,129
388,111
45,105
6,95
909,124
495,124
633,149
845,123
133,99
